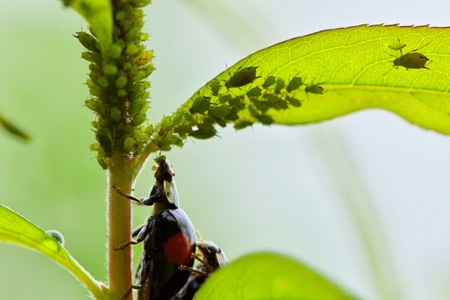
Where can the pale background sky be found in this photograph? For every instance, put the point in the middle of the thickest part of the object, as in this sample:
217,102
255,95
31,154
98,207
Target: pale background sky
264,188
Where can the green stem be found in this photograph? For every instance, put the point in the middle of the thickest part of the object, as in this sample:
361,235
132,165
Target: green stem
119,230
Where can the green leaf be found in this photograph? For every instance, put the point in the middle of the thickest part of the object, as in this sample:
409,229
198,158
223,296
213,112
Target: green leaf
335,72
98,14
268,276
17,230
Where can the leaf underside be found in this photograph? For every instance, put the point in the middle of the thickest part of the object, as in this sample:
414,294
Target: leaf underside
340,70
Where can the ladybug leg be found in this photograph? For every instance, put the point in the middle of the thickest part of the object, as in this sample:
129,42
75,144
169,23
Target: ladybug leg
140,232
193,271
136,231
119,191
127,294
150,200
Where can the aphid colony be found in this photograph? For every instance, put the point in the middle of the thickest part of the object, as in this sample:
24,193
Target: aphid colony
223,106
166,268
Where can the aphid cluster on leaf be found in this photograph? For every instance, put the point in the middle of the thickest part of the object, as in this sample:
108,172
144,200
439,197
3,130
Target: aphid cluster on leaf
222,105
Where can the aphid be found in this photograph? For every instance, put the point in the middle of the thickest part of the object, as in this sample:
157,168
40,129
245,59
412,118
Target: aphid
225,98
254,92
261,105
183,129
242,77
264,119
104,138
88,41
294,102
410,60
215,87
203,131
294,84
211,258
219,111
279,85
200,105
398,46
269,82
242,124
143,58
315,89
168,236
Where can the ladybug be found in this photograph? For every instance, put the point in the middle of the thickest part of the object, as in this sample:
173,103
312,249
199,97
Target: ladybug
168,237
211,258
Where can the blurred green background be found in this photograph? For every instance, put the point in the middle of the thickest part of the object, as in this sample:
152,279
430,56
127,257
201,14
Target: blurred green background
297,190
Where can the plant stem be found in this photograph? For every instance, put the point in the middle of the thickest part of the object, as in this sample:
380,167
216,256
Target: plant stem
119,231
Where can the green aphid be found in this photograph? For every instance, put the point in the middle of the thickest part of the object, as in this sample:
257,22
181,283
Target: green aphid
242,124
183,129
129,143
221,122
271,98
397,46
269,82
232,116
115,114
219,111
165,125
242,77
412,60
253,111
282,104
203,132
88,41
105,140
261,105
315,89
236,104
264,119
170,139
215,87
294,102
254,92
225,98
200,105
294,84
209,120
279,85
139,119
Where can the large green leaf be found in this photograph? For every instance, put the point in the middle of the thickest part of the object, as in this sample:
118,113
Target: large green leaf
17,230
340,71
268,276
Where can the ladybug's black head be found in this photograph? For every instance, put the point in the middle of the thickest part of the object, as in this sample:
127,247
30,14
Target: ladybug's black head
164,171
164,178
